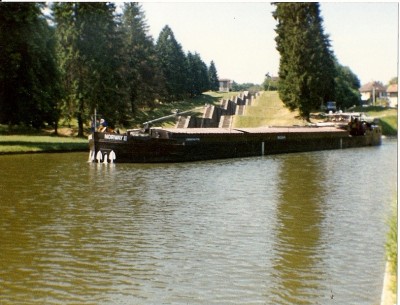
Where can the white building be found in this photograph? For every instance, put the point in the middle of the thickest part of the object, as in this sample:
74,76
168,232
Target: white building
392,95
371,91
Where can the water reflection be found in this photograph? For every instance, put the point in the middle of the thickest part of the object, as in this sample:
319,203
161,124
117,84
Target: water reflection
300,213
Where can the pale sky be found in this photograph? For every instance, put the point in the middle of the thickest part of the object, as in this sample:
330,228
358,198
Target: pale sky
239,36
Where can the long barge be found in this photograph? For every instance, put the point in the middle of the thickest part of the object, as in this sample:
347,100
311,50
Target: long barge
193,144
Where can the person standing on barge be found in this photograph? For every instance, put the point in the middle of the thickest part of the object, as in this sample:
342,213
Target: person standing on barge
103,125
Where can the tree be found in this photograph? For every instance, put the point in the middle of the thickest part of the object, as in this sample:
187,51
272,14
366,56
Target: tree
89,48
393,81
346,87
173,65
143,75
197,79
252,88
68,57
306,68
213,77
29,86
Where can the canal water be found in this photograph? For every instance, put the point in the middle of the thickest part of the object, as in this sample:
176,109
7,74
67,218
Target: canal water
306,228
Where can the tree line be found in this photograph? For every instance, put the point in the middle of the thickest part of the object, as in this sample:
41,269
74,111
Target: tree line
87,56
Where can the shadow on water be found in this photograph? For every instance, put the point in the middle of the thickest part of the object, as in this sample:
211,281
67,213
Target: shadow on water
299,215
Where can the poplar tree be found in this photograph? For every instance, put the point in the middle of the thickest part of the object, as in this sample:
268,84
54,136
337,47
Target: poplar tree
213,77
29,87
173,65
306,68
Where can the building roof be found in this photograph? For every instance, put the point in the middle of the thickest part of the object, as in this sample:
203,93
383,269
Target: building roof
392,88
369,87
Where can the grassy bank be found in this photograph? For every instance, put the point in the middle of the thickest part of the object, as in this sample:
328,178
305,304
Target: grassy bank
391,243
390,283
40,143
389,125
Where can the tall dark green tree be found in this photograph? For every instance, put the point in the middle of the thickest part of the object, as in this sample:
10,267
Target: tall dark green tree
91,61
69,60
143,75
197,78
173,65
29,87
213,77
306,68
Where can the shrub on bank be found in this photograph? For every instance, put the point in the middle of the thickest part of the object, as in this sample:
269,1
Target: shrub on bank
389,125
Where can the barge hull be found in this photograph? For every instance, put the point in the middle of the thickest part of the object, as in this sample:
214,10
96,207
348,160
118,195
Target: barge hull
175,145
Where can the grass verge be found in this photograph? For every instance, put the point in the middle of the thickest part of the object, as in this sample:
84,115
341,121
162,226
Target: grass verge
35,143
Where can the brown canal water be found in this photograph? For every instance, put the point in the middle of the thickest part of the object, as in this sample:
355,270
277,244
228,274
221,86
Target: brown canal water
283,229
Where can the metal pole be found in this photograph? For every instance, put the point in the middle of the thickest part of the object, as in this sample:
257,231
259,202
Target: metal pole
95,119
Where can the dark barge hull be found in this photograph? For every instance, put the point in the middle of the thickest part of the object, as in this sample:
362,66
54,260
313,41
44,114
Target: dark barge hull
194,144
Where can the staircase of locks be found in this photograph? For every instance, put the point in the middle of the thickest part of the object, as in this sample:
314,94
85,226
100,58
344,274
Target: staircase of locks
221,115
